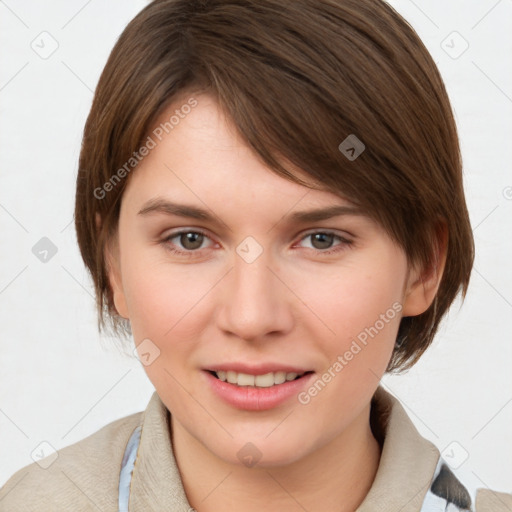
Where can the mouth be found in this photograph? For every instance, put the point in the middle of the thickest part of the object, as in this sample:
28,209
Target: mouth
266,380
257,387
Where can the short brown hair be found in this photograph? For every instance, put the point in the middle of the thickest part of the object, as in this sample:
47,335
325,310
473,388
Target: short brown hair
296,78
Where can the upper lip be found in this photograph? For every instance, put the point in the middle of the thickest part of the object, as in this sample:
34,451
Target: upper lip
257,369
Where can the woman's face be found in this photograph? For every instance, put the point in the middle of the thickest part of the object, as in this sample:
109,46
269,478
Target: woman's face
250,286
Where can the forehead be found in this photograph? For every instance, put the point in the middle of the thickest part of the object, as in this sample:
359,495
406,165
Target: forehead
200,159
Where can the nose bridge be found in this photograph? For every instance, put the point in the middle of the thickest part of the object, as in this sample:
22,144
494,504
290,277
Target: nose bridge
252,279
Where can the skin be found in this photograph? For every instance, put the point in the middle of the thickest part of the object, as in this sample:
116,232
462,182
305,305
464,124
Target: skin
293,304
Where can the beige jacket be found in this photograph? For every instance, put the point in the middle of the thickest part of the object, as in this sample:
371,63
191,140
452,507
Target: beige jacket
85,476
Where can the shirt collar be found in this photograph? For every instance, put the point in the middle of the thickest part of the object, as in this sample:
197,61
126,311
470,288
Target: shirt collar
407,463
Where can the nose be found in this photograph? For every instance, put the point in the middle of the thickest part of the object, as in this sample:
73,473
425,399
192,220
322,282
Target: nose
255,300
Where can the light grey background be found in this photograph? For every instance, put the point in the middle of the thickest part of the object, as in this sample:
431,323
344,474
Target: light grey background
60,382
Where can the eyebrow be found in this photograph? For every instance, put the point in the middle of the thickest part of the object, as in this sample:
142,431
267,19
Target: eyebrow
158,205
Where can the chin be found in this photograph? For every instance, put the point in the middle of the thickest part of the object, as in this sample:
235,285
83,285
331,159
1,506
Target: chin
258,452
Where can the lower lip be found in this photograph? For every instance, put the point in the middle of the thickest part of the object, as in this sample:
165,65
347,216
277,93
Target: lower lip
252,398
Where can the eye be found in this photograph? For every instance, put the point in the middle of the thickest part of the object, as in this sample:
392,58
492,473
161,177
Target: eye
190,240
322,241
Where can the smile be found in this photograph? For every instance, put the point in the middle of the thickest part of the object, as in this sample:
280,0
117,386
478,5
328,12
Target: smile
260,381
260,389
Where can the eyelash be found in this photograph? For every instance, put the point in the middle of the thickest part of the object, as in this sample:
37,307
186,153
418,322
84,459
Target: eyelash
191,253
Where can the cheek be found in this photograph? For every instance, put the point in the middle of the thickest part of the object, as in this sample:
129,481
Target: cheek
161,298
164,303
360,311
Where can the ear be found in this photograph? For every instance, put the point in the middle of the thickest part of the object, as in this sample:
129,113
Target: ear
113,269
423,283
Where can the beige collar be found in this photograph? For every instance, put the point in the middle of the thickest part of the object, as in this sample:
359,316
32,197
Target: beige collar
406,467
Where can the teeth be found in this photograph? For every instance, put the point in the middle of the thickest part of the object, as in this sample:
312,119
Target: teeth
259,381
245,380
263,381
279,377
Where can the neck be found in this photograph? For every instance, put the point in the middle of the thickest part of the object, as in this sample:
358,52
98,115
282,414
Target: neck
336,477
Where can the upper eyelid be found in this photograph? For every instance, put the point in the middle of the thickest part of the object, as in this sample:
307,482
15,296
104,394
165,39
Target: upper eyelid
187,230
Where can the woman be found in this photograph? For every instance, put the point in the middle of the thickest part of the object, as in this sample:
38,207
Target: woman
261,207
